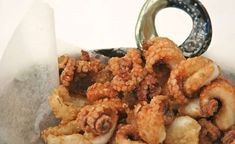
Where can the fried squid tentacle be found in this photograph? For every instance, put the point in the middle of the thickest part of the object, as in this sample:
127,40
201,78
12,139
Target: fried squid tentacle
150,120
162,56
84,56
171,56
229,137
128,81
219,92
68,65
128,134
99,91
191,75
209,132
86,64
183,130
148,88
78,74
104,75
115,103
98,122
158,42
128,71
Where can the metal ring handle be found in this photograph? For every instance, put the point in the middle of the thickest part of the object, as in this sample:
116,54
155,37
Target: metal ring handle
200,37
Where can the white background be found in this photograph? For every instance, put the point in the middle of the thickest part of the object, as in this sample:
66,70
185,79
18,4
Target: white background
92,24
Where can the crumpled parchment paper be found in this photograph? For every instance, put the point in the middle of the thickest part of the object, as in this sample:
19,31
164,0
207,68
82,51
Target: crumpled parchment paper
28,75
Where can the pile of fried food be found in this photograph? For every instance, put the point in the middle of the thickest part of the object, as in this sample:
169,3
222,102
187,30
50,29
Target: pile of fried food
144,97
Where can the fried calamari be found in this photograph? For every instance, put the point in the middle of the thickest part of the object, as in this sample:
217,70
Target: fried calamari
93,124
99,91
98,119
148,88
209,132
104,75
229,137
191,75
150,120
74,71
218,100
159,42
128,71
68,65
64,106
192,109
149,97
184,130
171,56
128,134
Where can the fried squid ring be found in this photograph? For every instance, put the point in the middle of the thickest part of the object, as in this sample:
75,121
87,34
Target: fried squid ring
68,65
128,71
189,76
99,91
150,120
148,88
62,129
229,137
209,132
183,130
63,106
192,109
68,139
128,134
219,92
70,133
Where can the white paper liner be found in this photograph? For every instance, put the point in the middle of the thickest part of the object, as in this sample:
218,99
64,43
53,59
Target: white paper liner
28,75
